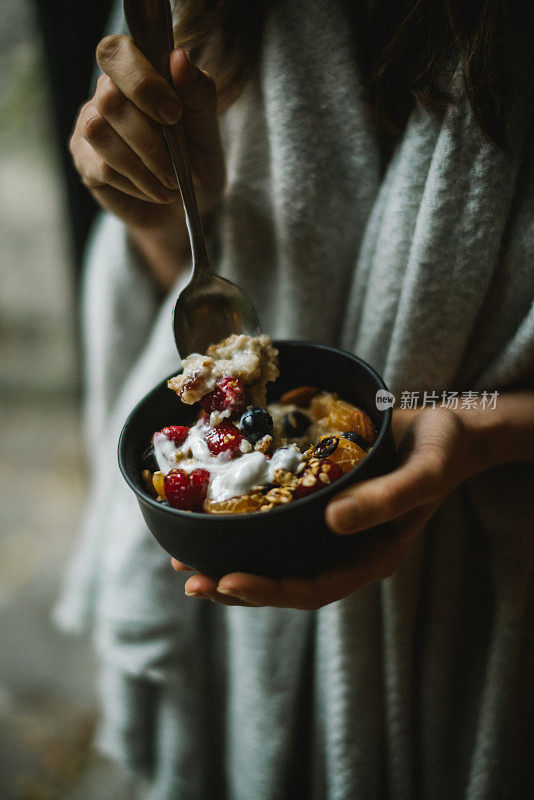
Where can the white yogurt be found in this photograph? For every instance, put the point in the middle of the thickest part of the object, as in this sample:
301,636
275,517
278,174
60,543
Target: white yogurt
241,474
228,477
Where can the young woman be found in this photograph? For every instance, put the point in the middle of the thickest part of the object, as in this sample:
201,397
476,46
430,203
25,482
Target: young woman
368,181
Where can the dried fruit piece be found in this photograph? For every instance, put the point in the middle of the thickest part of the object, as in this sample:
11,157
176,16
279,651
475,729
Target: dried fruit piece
320,472
300,396
149,485
346,417
229,394
326,446
148,461
244,504
186,490
188,385
176,433
224,438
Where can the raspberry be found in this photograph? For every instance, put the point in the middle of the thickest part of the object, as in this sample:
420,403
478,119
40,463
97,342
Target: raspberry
319,473
176,433
225,437
185,490
229,393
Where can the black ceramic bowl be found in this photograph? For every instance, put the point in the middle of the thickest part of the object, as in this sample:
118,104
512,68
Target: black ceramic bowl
291,539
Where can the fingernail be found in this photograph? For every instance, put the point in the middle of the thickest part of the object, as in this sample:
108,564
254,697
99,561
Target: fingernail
343,515
170,112
230,593
195,594
192,71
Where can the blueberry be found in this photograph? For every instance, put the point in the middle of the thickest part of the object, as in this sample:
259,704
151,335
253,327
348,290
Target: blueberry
295,423
256,423
352,436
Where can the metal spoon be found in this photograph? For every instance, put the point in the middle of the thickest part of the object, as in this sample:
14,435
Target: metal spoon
209,308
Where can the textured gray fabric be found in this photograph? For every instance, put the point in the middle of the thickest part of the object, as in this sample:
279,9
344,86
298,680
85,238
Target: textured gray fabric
419,686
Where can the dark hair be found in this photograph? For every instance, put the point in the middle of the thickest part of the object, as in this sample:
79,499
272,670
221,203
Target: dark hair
406,49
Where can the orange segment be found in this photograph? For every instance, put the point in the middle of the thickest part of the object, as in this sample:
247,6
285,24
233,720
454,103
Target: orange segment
345,417
244,504
320,405
347,454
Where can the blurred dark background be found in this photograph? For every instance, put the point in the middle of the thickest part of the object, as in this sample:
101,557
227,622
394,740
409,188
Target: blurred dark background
47,696
69,33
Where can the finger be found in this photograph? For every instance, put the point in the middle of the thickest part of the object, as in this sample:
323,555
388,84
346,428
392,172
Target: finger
223,600
196,89
301,593
128,207
97,175
142,135
179,567
117,155
203,586
137,79
378,556
417,482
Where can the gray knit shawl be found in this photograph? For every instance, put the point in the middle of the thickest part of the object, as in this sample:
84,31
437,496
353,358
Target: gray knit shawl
415,687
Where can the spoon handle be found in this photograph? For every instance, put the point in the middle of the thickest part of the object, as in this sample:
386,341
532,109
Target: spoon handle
150,23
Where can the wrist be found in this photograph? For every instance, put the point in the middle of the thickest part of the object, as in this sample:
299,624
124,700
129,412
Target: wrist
164,245
503,434
163,251
480,429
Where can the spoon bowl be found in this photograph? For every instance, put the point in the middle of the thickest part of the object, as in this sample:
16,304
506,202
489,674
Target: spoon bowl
208,310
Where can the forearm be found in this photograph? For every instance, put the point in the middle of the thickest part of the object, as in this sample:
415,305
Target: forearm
165,250
165,246
504,434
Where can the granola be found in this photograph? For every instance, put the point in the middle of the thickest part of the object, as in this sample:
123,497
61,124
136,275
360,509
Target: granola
243,456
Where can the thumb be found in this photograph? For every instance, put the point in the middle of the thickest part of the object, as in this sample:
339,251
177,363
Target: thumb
417,482
194,86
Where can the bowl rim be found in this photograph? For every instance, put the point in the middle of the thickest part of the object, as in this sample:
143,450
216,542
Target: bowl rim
226,519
